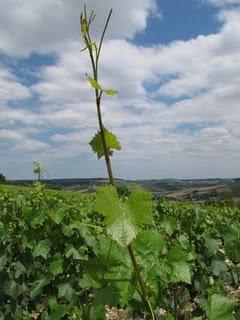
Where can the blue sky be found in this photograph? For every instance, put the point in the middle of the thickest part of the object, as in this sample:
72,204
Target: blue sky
175,63
179,20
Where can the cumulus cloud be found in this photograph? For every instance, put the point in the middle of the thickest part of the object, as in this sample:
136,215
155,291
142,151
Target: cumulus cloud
14,138
202,69
222,3
10,87
48,26
17,140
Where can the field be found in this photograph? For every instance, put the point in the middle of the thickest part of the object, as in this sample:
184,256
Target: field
58,260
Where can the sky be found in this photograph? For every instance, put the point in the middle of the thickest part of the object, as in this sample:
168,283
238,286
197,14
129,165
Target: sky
176,64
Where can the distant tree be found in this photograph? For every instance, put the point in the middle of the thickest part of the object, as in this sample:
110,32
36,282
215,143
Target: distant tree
227,195
235,187
39,170
2,178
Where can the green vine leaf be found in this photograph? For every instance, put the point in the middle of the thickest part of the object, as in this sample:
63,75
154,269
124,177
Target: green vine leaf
37,287
42,249
65,290
123,219
110,92
111,142
221,308
56,266
94,83
180,269
181,272
139,202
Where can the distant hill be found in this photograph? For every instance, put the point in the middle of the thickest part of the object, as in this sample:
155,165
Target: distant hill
177,189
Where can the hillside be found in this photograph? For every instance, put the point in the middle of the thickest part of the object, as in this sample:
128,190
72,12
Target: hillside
175,189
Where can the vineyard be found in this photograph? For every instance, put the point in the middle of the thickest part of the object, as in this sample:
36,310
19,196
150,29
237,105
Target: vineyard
64,256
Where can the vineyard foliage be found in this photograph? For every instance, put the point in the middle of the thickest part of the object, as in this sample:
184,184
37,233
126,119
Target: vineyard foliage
63,256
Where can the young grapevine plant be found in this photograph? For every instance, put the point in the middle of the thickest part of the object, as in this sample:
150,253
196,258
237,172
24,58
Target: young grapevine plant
123,219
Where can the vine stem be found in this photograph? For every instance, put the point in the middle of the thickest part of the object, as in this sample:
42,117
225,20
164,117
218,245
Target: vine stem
140,280
175,300
98,95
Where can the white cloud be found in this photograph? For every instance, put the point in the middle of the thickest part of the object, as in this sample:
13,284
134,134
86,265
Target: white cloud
17,140
10,87
13,138
12,116
13,91
45,26
222,3
201,69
